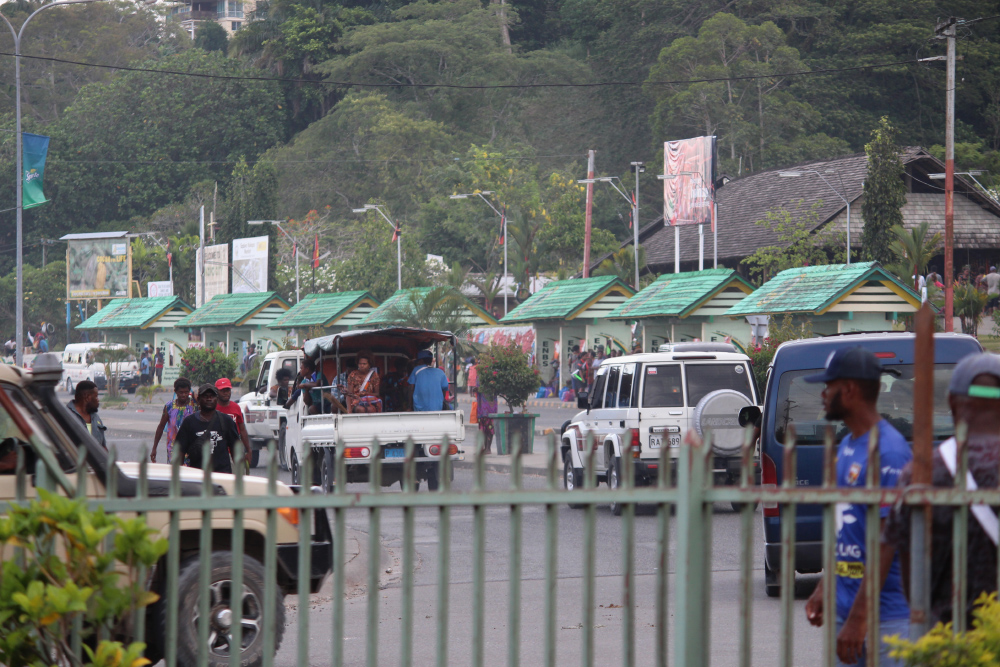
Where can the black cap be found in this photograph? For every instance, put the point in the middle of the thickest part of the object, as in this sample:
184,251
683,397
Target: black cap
853,363
206,388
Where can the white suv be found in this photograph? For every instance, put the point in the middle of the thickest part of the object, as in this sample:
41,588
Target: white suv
653,399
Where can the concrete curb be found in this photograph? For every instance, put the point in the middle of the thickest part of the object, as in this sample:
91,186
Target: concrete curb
503,468
534,402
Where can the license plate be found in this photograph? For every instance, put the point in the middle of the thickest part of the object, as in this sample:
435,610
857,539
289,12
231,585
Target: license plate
395,452
656,441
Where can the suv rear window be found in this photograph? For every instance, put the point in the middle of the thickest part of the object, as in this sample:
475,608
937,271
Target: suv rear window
703,379
800,402
662,387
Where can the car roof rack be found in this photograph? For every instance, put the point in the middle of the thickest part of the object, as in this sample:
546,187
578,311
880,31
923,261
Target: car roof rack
698,347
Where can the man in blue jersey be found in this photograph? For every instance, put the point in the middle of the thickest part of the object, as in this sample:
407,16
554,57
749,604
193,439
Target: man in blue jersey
853,380
427,385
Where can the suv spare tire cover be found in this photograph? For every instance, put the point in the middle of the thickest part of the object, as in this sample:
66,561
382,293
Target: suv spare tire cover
719,412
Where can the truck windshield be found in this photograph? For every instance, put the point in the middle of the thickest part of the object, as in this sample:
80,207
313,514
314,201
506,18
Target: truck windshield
801,403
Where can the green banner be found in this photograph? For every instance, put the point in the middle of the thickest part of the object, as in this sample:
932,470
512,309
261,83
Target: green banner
35,148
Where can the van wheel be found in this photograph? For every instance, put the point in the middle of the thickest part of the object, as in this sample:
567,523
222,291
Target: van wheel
293,465
614,483
221,603
571,480
255,458
282,453
69,386
771,585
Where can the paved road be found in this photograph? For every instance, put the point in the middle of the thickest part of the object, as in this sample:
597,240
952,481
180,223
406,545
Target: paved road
129,429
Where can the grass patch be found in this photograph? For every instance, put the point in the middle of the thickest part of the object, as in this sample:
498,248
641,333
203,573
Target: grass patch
990,344
114,400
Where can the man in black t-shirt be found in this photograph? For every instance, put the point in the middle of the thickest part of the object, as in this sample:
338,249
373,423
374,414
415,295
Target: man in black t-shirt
208,423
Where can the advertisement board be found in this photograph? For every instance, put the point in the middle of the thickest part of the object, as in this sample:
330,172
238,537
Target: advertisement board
98,268
689,181
216,272
250,264
159,288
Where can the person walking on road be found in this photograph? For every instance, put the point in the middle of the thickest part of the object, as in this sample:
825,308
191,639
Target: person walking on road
974,398
86,401
427,385
145,369
853,381
173,414
485,406
228,407
158,366
207,424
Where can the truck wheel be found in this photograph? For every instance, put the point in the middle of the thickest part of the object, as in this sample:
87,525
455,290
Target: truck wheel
326,470
571,480
432,478
293,465
282,452
69,386
615,483
131,390
771,585
255,458
255,617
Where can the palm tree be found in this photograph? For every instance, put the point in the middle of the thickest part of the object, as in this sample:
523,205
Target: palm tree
622,264
438,308
913,250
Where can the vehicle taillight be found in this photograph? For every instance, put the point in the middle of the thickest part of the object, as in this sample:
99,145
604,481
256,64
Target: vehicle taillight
435,450
357,453
769,480
636,446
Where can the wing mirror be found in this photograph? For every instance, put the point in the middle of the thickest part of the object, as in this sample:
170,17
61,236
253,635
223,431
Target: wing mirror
749,416
583,400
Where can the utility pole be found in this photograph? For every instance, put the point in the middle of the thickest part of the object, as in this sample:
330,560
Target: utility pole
589,218
946,30
639,168
201,257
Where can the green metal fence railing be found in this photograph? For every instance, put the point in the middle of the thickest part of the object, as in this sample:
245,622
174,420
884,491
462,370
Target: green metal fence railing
221,623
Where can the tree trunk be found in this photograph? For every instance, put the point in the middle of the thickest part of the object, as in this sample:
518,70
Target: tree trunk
504,28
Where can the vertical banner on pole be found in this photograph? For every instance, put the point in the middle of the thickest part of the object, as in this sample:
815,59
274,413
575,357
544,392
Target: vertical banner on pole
689,181
35,148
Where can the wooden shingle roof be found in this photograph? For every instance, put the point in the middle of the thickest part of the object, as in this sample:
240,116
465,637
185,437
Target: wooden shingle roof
226,310
326,309
567,299
388,312
679,294
137,313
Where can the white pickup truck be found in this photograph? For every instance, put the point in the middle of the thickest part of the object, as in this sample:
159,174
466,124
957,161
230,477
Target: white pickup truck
381,435
265,416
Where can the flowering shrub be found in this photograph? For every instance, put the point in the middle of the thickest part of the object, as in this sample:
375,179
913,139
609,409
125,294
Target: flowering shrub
942,648
762,354
504,372
202,365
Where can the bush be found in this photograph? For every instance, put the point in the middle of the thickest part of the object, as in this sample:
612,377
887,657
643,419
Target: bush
203,365
762,354
940,648
42,596
504,372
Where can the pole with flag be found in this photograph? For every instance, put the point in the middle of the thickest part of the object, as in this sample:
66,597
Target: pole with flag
503,237
36,148
315,260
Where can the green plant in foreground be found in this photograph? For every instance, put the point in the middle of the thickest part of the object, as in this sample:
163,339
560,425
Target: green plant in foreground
941,648
504,372
74,564
146,392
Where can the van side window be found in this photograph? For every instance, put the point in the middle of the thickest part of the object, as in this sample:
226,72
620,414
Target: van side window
662,386
611,393
597,393
625,390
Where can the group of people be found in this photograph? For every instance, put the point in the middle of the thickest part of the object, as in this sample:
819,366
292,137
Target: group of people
852,378
984,279
150,366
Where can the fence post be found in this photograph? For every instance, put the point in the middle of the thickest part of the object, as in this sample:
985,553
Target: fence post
691,628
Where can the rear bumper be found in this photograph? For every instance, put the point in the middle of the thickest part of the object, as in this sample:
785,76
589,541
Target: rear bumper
726,470
808,557
321,557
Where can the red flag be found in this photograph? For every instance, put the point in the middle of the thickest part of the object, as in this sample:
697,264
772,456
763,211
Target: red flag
170,259
316,253
395,233
631,212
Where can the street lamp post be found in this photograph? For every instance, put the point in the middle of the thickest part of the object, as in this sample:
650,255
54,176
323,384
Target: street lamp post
399,239
634,205
503,221
800,172
19,305
295,247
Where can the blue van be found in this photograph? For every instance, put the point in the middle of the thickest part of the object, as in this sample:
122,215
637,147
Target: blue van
789,399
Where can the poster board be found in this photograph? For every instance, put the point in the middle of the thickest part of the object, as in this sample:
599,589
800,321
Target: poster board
98,267
156,288
689,181
250,264
216,272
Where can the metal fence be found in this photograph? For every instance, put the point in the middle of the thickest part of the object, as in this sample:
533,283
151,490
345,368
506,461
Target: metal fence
689,504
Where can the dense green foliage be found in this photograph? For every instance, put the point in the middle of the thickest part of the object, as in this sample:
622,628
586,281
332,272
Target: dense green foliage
504,372
942,647
885,194
201,365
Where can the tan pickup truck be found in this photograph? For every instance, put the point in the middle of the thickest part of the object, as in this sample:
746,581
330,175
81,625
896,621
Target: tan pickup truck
33,419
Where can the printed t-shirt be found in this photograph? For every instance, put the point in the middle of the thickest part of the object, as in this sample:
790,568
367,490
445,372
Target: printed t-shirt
232,408
852,470
429,385
221,431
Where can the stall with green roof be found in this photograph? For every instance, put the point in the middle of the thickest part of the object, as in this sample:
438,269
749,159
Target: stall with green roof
688,306
404,303
232,320
333,313
836,298
572,312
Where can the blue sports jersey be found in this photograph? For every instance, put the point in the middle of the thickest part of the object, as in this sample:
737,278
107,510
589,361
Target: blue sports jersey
429,385
852,470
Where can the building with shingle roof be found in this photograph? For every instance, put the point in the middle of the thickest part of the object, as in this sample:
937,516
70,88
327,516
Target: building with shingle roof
572,312
688,306
742,202
402,302
333,312
236,320
834,298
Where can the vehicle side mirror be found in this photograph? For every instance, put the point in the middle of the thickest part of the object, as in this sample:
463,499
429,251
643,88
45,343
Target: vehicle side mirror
583,400
749,416
262,388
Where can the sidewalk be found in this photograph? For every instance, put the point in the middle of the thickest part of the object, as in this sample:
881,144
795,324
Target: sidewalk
533,402
531,464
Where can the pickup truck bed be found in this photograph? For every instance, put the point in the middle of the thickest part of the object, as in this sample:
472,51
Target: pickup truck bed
384,427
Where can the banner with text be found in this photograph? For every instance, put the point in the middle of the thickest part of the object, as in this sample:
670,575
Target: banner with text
216,272
250,265
34,148
159,288
98,269
689,185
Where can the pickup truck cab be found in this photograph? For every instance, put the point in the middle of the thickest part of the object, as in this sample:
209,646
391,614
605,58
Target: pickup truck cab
36,421
78,360
790,399
652,399
381,435
265,417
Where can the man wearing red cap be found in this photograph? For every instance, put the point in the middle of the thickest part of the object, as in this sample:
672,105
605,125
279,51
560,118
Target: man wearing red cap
231,408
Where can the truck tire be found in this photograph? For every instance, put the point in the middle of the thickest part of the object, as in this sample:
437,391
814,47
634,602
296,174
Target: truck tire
282,452
572,480
255,458
772,586
256,617
69,386
433,480
615,482
293,465
326,469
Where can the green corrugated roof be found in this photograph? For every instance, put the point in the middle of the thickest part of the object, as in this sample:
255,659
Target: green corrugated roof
386,313
317,310
676,294
132,313
561,299
229,309
810,289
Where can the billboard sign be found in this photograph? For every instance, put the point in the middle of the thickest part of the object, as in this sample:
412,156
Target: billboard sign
689,182
159,288
250,265
98,268
216,272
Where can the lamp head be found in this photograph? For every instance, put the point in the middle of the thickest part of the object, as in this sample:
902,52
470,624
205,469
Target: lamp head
458,197
584,181
360,210
789,174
